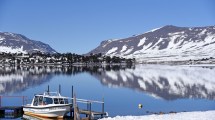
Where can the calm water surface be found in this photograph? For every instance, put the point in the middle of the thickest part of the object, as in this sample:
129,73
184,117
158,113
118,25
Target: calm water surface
156,87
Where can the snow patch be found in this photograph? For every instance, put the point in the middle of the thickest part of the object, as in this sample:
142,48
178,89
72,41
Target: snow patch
142,41
112,50
176,33
155,29
12,50
123,48
210,38
203,32
128,51
1,38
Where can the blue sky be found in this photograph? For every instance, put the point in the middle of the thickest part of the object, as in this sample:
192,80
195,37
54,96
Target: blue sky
79,26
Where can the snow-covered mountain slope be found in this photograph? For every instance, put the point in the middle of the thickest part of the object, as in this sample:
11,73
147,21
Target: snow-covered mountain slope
168,43
166,82
17,43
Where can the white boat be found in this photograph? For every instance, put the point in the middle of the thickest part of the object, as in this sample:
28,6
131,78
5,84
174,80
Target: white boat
48,105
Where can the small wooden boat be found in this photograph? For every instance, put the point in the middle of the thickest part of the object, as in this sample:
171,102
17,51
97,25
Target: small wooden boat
48,105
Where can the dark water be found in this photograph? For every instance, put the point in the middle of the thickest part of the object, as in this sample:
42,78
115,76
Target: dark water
156,87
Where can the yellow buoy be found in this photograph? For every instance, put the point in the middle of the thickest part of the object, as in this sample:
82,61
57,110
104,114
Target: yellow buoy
140,106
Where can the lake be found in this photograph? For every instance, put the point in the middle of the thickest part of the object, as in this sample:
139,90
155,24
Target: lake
157,87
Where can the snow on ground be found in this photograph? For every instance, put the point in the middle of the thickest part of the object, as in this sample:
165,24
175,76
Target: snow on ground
206,115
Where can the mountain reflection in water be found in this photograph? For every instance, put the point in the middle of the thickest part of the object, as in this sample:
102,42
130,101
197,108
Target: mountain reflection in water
19,78
166,82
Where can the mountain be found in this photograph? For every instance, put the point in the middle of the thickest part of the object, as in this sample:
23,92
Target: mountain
17,43
168,43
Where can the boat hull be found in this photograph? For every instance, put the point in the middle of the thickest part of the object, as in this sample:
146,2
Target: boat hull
57,111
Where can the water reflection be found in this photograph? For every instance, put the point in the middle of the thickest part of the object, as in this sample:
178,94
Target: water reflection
165,82
19,78
16,79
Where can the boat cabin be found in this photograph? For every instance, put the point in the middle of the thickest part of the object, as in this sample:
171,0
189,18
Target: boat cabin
49,98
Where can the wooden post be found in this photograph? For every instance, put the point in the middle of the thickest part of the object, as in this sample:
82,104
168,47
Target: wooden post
76,111
23,100
74,106
72,95
59,89
48,89
87,108
0,101
73,109
103,105
90,111
72,112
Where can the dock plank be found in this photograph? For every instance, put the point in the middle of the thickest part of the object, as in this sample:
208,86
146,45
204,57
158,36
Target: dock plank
81,111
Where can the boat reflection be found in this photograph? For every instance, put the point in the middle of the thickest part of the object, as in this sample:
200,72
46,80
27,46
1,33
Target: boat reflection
27,117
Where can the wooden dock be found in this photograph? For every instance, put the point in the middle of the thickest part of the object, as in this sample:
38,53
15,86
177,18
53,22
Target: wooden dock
11,111
93,113
89,113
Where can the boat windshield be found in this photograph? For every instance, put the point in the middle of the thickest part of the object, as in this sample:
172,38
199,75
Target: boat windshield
47,100
40,100
36,100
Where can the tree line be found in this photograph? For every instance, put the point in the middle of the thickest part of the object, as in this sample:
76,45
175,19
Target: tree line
62,58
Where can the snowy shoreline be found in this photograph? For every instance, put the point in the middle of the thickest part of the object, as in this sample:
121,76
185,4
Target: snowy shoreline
197,115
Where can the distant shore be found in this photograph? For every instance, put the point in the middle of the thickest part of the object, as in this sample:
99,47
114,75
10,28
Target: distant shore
73,64
108,64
